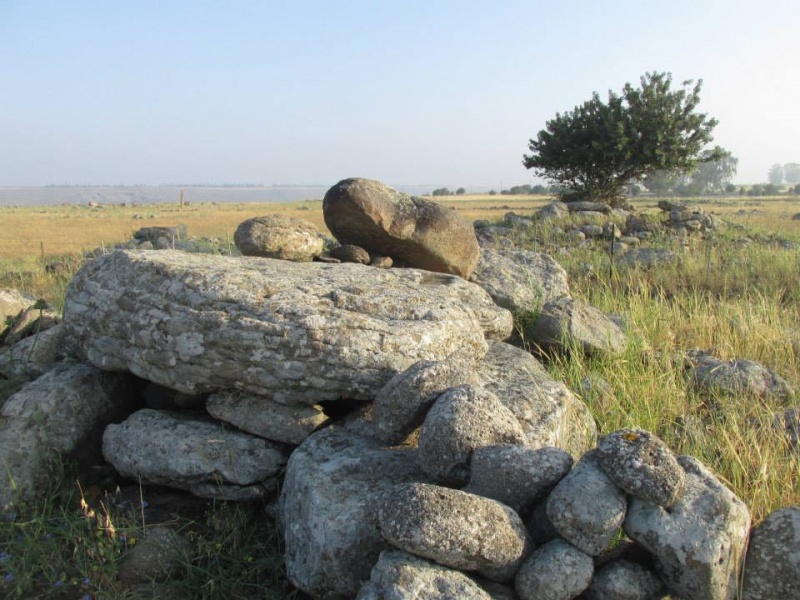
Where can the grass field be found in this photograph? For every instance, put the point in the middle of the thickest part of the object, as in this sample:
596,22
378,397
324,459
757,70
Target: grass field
737,292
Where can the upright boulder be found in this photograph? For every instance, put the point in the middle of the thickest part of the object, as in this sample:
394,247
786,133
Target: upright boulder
415,232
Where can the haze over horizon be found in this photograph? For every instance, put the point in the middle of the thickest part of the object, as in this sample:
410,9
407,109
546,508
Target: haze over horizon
440,93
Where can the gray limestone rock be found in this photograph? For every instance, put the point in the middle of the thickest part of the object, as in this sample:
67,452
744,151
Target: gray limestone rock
265,418
59,416
555,571
296,332
401,405
642,465
331,493
189,452
517,476
279,236
549,413
460,421
699,543
417,232
772,568
520,280
623,580
402,576
455,529
565,323
586,508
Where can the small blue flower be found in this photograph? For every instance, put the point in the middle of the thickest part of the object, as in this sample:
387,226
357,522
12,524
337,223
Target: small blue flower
48,536
86,597
59,583
8,578
145,503
87,580
4,556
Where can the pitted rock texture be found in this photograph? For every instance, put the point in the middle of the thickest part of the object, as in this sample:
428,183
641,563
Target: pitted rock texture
555,571
642,465
296,332
550,414
586,508
399,575
623,580
462,420
328,509
192,453
517,476
772,568
734,378
414,231
278,236
699,543
454,529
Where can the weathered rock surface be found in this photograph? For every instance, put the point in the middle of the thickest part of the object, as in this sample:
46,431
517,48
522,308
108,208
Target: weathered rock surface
462,420
12,303
34,355
699,543
550,415
517,476
297,332
566,322
331,493
193,453
555,571
623,580
640,464
265,418
401,405
157,557
402,576
520,280
414,231
278,236
736,377
646,257
586,508
59,416
554,210
772,568
454,529
351,253
588,206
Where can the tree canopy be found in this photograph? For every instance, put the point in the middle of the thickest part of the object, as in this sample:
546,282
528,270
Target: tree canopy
598,148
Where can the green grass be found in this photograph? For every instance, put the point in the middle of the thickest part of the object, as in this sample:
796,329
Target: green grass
741,299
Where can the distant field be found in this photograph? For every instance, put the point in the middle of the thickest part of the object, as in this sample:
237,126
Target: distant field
38,231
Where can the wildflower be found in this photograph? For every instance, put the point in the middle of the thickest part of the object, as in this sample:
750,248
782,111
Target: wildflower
59,583
4,556
9,577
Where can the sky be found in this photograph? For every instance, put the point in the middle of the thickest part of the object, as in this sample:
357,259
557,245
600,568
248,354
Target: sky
407,92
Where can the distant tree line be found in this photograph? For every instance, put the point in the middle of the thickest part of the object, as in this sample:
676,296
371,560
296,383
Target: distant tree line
446,192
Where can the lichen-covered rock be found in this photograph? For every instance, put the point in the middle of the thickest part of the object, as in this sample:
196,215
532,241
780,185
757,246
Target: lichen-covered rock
517,476
552,211
189,452
699,543
565,323
399,575
555,571
550,415
296,332
454,529
34,355
157,557
772,568
279,236
401,405
736,378
623,580
520,280
59,416
12,303
329,501
414,231
586,508
265,418
641,464
460,421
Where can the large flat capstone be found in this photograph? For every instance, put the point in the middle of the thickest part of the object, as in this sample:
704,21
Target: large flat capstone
298,333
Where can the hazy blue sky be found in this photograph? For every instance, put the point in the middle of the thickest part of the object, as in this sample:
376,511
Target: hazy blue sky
407,92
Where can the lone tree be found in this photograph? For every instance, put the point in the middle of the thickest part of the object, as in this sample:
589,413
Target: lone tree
598,148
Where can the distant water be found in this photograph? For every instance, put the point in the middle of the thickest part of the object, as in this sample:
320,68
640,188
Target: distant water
50,196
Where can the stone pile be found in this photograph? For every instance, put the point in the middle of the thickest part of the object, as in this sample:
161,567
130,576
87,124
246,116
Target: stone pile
412,452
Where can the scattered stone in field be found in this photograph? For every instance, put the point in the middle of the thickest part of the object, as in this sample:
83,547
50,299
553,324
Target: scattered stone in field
400,575
277,236
623,580
555,571
461,420
699,543
172,235
772,568
552,211
454,529
351,254
12,303
642,465
159,556
787,422
582,206
517,476
736,378
414,231
645,257
586,508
